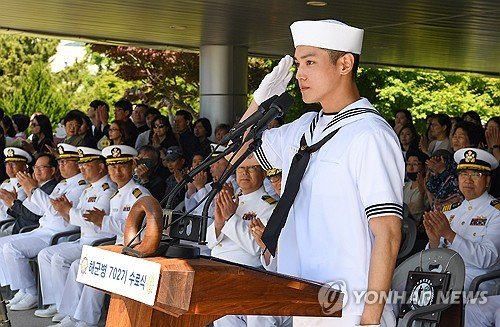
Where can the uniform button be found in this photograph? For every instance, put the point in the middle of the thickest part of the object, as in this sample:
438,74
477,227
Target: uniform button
470,207
219,245
474,234
463,222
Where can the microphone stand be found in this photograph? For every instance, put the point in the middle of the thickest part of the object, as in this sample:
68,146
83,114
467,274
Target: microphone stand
172,247
216,187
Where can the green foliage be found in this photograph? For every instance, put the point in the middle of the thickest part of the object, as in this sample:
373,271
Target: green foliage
17,54
36,93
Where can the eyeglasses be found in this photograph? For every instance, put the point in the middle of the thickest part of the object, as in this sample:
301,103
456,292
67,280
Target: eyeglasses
250,169
159,126
474,175
14,164
41,167
275,178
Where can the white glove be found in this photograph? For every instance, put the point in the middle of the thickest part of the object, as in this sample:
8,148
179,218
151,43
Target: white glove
275,82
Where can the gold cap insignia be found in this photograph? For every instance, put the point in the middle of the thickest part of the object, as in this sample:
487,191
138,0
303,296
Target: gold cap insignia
60,149
10,153
116,152
80,152
470,156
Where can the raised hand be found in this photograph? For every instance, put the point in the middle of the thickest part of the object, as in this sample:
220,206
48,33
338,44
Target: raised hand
275,82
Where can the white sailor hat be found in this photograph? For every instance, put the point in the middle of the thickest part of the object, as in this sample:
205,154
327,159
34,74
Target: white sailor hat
67,151
116,154
16,154
217,149
476,159
88,154
327,34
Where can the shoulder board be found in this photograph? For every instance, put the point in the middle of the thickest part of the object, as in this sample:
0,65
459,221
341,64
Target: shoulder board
137,193
113,195
449,207
495,204
269,199
105,186
19,185
89,185
82,182
7,180
63,181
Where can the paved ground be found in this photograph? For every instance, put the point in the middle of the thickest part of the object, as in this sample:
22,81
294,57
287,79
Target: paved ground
28,319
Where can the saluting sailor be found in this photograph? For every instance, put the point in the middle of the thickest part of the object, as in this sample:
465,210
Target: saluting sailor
17,249
16,160
341,205
54,261
472,227
82,303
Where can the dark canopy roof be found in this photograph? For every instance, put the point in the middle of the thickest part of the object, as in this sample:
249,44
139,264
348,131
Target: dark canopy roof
459,35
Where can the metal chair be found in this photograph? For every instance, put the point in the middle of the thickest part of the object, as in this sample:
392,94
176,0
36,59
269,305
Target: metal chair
427,261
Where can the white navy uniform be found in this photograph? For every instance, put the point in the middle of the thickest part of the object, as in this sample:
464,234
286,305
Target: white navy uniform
235,242
356,176
10,185
54,261
477,240
14,266
82,302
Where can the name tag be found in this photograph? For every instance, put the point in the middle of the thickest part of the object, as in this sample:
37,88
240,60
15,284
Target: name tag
131,277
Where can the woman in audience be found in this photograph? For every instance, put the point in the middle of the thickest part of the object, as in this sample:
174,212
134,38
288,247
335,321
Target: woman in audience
117,132
408,137
493,144
414,191
220,131
42,139
161,135
72,123
202,131
401,119
440,130
473,117
85,132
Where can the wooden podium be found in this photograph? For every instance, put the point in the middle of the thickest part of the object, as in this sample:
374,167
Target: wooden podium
195,292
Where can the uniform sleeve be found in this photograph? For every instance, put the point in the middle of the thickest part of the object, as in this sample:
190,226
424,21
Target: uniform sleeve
379,173
212,241
115,226
42,200
269,153
483,254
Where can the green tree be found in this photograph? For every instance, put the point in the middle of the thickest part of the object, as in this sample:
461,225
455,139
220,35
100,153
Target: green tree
36,93
17,54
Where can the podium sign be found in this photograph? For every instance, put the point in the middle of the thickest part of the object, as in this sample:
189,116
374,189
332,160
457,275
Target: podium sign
116,273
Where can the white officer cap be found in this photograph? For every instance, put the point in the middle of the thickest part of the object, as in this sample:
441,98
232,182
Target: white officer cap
67,151
327,34
88,154
476,159
116,154
16,154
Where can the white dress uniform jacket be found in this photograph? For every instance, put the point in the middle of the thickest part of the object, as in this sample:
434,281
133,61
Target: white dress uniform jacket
235,242
477,240
96,196
10,185
121,202
51,219
356,176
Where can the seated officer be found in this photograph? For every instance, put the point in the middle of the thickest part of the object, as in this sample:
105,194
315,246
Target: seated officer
472,227
17,249
82,304
16,160
54,261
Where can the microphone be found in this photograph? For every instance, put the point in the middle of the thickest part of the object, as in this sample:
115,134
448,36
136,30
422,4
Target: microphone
279,107
241,127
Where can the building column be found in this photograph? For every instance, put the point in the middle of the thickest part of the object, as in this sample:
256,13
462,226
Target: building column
223,83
